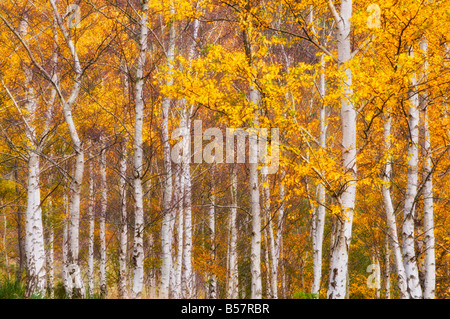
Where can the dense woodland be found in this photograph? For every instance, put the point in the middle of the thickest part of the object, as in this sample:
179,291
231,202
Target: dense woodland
100,194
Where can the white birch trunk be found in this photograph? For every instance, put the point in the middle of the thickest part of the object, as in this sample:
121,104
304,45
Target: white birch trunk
272,248
387,271
255,254
180,232
91,217
123,244
50,254
390,216
167,191
427,192
212,232
75,187
34,230
409,255
65,248
103,207
138,250
339,255
188,278
267,261
233,281
428,220
319,212
152,286
280,223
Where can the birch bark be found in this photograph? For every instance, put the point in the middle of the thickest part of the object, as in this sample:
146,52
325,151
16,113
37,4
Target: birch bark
75,186
123,244
390,216
34,231
233,281
51,256
180,223
339,254
167,191
103,208
185,124
319,212
255,254
387,271
188,278
212,232
91,217
427,191
138,250
409,255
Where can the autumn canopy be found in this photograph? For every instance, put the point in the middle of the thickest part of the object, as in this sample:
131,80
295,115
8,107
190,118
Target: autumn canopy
225,149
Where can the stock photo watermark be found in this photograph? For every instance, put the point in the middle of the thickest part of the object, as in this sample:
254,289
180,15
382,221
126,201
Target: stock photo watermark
374,279
73,14
258,146
374,19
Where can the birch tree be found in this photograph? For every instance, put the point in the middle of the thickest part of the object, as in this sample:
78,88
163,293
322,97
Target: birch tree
233,281
167,188
319,212
91,217
339,252
123,245
389,209
427,190
409,255
138,250
102,223
212,232
34,232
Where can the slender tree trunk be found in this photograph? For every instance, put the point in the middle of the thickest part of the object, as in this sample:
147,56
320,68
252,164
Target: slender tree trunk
188,278
409,255
152,286
103,208
5,228
387,271
427,192
185,124
272,245
167,191
123,245
255,248
67,282
34,231
319,212
390,216
180,223
339,259
212,232
50,254
255,254
138,250
267,261
34,240
428,220
91,217
75,186
280,224
283,281
20,241
233,282
378,278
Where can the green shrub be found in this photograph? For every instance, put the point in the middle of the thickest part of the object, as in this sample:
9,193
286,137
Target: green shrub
304,295
11,289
